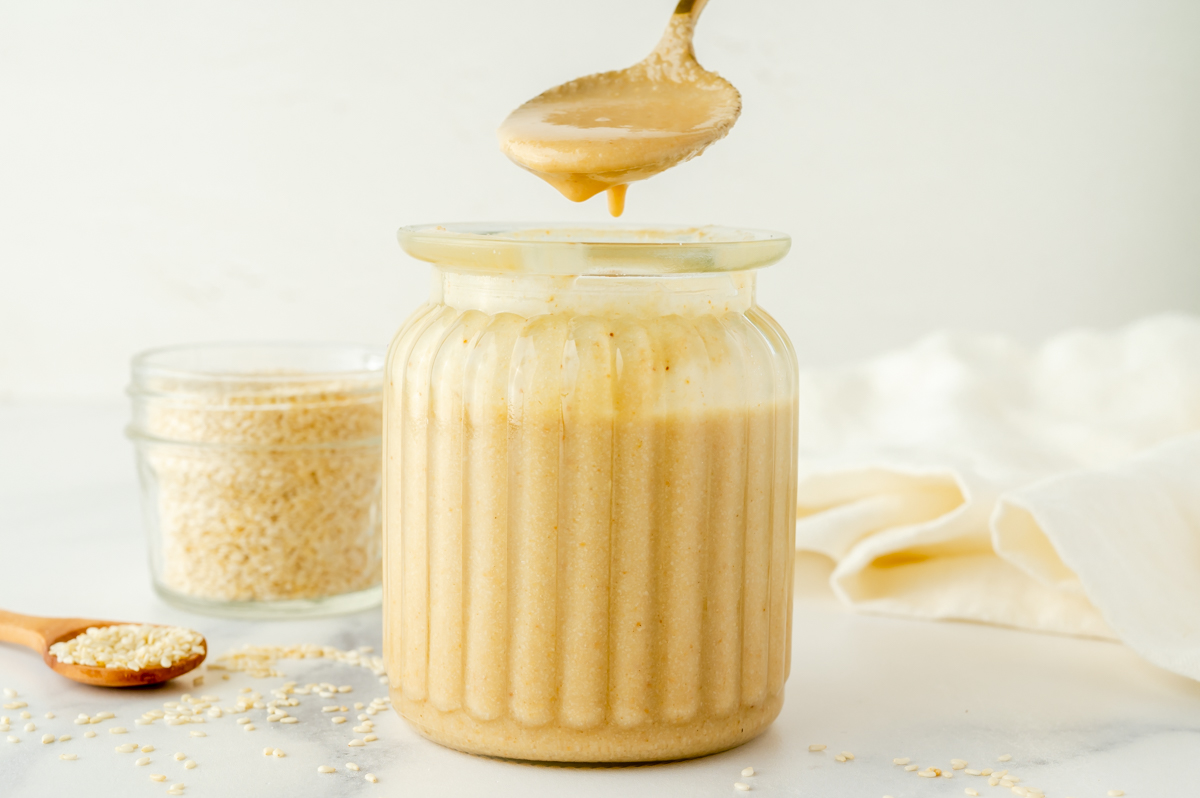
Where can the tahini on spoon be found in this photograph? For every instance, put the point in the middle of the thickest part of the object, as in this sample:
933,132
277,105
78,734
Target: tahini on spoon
40,633
604,131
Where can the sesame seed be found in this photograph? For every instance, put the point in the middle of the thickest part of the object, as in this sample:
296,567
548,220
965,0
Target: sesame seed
993,781
117,730
12,739
248,727
279,753
351,766
15,705
127,748
903,760
89,733
47,739
147,749
1006,783
30,727
927,774
338,719
25,716
356,743
364,716
910,768
958,761
243,721
1020,791
49,716
970,772
370,738
290,720
969,791
189,765
747,772
268,751
10,693
840,758
1116,793
68,757
195,733
817,747
371,777
157,777
958,765
179,756
985,772
345,688
145,760
177,786
1004,758
174,792
331,709
847,754
359,705
64,737
326,769
741,785
361,729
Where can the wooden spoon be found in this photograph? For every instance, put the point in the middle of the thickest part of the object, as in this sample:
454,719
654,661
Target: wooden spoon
604,131
39,634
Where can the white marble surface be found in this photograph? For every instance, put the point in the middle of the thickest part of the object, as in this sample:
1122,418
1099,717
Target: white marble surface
1079,717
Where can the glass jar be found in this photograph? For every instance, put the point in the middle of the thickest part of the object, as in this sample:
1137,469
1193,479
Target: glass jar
259,466
589,493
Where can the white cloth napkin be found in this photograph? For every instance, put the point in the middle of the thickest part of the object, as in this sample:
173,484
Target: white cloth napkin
1056,489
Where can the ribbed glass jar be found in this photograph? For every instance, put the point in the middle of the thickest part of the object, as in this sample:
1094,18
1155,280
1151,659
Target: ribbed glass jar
589,474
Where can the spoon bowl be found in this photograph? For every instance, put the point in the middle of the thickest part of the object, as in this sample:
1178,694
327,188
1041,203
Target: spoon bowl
604,131
40,634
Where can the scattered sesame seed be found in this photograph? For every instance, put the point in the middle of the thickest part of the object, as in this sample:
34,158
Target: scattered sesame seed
49,716
364,716
177,786
268,751
840,758
958,765
15,705
993,781
969,791
157,777
345,688
290,720
1116,793
910,768
127,748
248,727
362,729
359,705
370,738
10,693
331,709
117,730
817,747
747,772
741,785
847,754
1004,758
351,766
179,756
68,757
64,737
371,777
147,749
89,733
326,769
927,774
195,733
25,716
903,760
12,739
243,721
145,760
277,752
1006,783
356,743
338,719
985,772
174,792
189,765
47,739
30,727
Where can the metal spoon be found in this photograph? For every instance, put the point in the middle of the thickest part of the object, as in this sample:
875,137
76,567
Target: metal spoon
604,131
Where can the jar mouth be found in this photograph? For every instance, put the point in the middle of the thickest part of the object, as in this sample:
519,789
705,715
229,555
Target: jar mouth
262,364
598,249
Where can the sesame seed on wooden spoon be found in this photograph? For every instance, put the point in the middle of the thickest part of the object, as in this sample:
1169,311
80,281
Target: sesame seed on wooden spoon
187,648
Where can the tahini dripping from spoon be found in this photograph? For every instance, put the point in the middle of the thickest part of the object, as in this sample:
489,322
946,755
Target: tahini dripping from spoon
604,131
41,634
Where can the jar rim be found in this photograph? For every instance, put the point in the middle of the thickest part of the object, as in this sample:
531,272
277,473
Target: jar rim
251,362
560,248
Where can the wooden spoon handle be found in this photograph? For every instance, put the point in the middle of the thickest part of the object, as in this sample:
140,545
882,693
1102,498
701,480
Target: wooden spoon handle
24,630
692,7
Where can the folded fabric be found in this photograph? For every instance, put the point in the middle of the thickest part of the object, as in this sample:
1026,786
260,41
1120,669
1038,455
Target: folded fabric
1056,489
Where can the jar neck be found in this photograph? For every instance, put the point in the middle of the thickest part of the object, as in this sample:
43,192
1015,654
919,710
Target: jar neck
530,295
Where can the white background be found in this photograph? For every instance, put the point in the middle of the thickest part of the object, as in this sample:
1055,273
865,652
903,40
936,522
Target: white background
173,172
